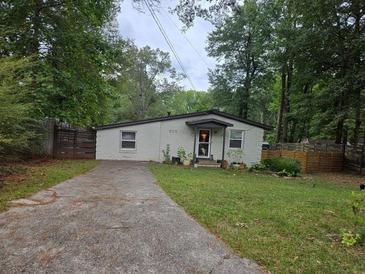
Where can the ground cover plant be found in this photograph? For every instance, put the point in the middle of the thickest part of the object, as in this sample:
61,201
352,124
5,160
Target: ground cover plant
286,225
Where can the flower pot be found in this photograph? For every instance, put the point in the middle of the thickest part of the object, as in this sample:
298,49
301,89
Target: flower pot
242,166
186,162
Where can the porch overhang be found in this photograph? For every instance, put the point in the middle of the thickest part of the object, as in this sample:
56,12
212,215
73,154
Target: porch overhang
208,123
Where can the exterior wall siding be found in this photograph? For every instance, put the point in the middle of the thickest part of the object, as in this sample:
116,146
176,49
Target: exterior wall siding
152,139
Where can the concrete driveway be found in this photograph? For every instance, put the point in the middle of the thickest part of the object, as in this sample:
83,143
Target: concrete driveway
113,219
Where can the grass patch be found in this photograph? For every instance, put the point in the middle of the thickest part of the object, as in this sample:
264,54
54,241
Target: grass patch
34,177
286,225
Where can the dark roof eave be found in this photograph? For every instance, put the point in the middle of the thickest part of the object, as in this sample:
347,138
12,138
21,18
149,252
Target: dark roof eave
207,121
187,115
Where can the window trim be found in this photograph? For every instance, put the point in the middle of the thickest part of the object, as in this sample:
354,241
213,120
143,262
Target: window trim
235,139
127,140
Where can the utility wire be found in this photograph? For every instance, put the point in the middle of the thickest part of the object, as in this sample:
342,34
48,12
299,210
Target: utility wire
186,38
168,41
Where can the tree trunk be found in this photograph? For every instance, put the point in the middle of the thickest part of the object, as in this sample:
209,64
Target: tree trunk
356,67
339,130
286,107
356,134
243,104
281,107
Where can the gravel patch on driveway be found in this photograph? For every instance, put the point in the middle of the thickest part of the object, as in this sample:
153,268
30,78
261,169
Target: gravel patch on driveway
113,219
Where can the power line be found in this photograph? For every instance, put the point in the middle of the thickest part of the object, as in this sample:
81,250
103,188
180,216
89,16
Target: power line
168,41
186,38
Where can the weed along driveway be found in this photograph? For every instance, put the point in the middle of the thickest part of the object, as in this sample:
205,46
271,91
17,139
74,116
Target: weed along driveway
113,219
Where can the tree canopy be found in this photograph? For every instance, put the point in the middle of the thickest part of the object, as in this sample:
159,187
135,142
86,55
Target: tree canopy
302,60
295,64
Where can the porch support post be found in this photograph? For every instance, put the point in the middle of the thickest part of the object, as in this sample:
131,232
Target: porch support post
194,156
224,144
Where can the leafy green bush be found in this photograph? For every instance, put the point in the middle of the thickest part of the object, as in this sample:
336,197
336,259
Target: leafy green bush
181,153
16,109
257,167
357,234
290,166
166,154
349,238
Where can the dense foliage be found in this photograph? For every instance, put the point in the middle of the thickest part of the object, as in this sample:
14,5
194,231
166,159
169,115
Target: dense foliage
16,109
66,60
286,165
296,64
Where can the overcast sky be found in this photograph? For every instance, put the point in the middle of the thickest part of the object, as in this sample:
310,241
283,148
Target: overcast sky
141,28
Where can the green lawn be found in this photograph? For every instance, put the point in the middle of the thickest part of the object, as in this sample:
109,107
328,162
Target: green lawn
39,176
286,225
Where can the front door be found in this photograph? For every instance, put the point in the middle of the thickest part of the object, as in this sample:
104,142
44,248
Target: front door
203,144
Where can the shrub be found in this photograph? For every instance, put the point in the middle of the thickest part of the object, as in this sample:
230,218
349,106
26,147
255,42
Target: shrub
16,109
181,153
357,234
166,154
349,238
289,166
235,155
258,167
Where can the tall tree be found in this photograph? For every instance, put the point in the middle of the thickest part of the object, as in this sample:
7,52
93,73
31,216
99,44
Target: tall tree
240,44
140,86
178,101
71,46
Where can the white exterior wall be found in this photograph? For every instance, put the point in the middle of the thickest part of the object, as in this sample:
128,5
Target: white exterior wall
152,138
147,143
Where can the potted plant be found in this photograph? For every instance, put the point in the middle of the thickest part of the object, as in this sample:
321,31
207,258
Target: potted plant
184,158
188,159
236,157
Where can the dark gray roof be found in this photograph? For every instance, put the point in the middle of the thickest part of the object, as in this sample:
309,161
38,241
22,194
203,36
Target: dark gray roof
209,123
187,115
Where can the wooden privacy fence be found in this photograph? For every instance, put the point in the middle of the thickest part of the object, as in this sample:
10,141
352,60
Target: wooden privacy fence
74,143
315,147
355,158
310,161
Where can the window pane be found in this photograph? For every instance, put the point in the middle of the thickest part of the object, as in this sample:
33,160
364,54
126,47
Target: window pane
236,134
203,150
204,136
235,143
128,135
128,144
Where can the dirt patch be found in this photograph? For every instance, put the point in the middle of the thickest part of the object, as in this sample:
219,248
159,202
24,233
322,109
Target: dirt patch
339,177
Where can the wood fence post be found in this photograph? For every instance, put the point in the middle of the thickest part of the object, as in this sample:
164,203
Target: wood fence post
306,163
74,145
55,140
